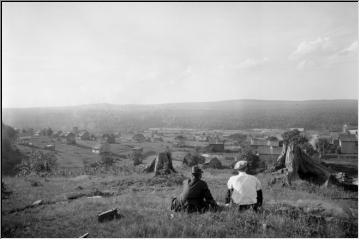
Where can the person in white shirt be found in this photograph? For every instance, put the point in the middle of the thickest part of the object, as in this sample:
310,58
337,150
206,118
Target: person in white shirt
244,190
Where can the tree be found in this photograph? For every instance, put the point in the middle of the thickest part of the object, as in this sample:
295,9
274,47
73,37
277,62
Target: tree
323,146
293,136
49,132
10,155
38,162
255,165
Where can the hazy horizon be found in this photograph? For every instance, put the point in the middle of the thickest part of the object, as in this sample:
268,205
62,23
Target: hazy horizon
70,54
150,104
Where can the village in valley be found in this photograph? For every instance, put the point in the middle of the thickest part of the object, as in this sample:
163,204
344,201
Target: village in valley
331,147
113,165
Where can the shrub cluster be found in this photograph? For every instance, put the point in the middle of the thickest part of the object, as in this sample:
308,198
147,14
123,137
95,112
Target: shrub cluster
38,162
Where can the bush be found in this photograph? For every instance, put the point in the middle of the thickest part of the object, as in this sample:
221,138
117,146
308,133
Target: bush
38,162
107,160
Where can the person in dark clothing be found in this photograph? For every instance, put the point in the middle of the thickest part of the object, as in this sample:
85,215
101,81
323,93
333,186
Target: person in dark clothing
196,196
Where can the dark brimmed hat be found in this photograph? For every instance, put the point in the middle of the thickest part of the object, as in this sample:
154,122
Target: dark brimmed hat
196,170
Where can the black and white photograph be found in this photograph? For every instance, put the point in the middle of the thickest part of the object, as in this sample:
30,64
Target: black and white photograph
179,119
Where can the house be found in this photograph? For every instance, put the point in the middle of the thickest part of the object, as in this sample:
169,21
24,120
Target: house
334,138
101,148
347,128
180,141
57,134
37,133
353,131
84,135
157,139
69,138
202,138
348,143
301,130
273,141
139,137
216,147
258,142
110,138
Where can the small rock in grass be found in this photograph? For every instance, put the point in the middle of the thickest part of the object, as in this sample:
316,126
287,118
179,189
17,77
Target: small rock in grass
38,202
94,197
109,215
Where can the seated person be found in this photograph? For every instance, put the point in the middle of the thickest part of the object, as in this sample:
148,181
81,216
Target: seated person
196,196
244,190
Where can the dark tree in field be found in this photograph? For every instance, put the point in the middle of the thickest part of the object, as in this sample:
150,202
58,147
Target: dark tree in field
38,162
294,136
49,132
10,155
255,165
323,146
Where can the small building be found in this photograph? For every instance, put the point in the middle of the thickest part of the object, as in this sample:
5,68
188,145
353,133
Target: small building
348,144
139,137
37,133
258,142
57,134
202,138
101,148
334,138
157,139
301,130
273,141
110,138
217,147
68,138
353,132
84,135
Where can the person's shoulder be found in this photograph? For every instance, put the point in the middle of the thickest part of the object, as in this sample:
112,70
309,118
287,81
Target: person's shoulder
254,178
202,182
233,177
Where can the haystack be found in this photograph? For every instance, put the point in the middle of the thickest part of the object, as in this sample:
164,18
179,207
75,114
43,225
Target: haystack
193,159
161,165
299,165
214,163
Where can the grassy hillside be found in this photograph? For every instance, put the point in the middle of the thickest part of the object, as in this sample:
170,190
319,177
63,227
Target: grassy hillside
236,114
143,201
302,210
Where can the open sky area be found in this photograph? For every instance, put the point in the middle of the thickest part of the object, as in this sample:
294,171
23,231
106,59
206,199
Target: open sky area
60,54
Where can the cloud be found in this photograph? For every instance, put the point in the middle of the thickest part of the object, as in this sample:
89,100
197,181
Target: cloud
316,48
250,63
322,51
353,48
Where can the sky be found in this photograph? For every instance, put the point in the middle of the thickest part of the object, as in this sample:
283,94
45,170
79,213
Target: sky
62,54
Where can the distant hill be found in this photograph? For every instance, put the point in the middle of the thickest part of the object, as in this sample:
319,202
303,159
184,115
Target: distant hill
234,114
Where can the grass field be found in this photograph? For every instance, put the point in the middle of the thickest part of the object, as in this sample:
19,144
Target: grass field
302,210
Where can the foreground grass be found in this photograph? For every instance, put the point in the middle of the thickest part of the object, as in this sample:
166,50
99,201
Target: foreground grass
144,201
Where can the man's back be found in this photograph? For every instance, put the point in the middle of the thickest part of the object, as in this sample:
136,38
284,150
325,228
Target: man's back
193,189
245,188
195,194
